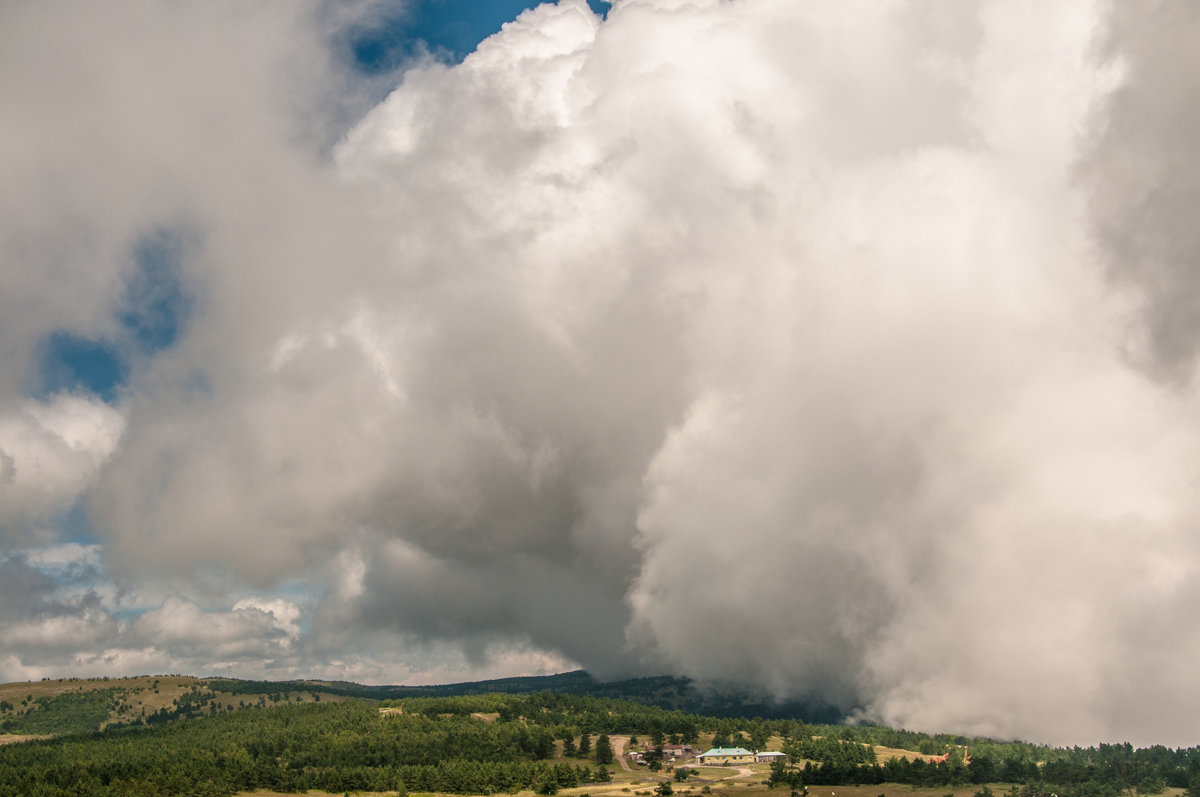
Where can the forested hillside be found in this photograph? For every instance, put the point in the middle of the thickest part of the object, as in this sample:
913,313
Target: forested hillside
493,742
679,694
434,745
74,705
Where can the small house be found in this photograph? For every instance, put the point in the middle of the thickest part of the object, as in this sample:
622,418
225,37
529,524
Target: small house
677,750
767,757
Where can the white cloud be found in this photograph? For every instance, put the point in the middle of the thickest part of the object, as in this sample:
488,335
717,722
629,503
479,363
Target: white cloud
85,630
50,451
65,555
283,613
759,341
249,630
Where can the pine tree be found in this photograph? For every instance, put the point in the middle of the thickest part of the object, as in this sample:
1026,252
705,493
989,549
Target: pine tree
543,744
604,751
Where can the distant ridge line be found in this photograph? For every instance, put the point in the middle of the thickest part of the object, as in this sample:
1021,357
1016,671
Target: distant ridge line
664,691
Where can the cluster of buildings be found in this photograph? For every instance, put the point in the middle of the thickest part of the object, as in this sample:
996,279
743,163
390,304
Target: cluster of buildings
716,755
670,753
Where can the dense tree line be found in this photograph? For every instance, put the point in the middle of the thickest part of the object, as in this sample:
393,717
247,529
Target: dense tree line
830,751
567,714
71,712
333,746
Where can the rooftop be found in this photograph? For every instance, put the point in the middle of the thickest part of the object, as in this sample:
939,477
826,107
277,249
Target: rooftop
727,751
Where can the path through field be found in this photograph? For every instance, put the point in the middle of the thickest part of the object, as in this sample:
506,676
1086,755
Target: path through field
618,747
742,772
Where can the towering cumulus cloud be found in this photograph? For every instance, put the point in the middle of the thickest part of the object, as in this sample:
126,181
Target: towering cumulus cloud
831,348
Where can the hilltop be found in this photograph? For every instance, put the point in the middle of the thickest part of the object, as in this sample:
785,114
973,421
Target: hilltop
71,705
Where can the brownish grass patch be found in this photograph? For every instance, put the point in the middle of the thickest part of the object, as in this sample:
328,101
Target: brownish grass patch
143,695
886,754
13,738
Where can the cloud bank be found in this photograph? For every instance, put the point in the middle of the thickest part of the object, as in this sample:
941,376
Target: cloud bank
825,348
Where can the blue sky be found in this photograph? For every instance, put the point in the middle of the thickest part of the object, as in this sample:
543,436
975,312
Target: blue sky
447,28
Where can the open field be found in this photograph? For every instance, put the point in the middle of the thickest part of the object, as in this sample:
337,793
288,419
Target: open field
739,788
136,696
750,787
32,690
313,793
13,738
885,754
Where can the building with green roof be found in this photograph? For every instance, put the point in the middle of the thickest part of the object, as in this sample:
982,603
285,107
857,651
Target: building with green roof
727,755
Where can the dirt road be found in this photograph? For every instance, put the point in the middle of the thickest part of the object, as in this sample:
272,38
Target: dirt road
618,748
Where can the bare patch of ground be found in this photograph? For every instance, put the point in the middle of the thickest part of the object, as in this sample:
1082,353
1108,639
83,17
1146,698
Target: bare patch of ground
13,738
618,747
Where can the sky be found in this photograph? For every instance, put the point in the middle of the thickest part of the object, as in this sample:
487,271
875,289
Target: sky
837,349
